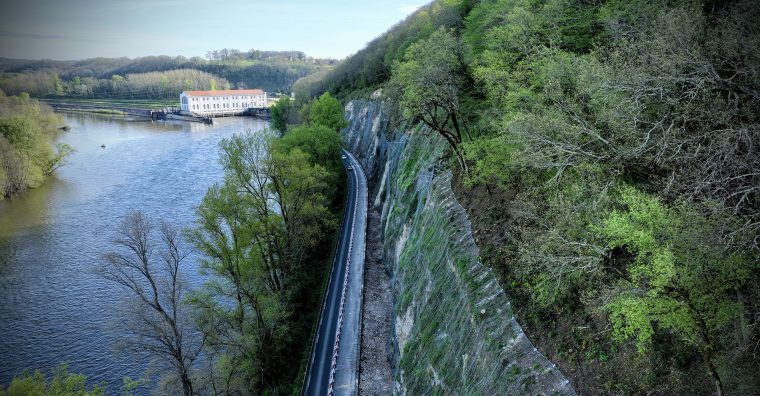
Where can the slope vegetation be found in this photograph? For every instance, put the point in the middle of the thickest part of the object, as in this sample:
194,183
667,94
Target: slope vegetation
608,155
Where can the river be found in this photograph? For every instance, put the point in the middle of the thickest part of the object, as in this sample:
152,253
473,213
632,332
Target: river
53,307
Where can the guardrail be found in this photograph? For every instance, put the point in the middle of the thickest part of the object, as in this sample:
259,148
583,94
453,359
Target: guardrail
336,347
332,377
326,287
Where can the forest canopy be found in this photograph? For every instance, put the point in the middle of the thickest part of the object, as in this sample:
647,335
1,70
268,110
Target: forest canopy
273,71
623,137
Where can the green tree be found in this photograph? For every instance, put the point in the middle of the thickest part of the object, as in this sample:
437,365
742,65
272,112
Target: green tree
326,111
57,84
428,84
257,232
283,113
26,157
574,99
322,145
240,243
61,383
684,278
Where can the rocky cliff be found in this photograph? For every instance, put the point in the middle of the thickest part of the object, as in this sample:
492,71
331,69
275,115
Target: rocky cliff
452,330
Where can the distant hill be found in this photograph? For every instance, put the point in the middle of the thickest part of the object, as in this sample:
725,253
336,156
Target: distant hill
273,71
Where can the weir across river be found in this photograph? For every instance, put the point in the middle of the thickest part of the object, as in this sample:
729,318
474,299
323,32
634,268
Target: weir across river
166,113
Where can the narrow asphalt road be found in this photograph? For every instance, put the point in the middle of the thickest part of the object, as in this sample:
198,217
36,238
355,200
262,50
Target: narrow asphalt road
321,365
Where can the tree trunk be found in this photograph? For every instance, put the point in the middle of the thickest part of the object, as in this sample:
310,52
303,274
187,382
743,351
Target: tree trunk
187,385
455,122
455,146
714,374
706,346
462,162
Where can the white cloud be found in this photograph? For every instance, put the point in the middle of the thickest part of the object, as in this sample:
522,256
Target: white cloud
408,8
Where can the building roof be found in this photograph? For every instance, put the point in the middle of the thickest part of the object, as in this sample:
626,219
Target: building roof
225,92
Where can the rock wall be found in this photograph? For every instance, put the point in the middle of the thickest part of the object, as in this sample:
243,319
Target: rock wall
453,330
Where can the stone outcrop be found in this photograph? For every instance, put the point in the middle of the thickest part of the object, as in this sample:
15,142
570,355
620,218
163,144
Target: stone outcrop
452,328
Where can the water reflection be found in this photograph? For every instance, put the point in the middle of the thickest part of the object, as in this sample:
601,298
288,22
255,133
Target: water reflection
53,307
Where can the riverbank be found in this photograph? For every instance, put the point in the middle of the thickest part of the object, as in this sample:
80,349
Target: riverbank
27,157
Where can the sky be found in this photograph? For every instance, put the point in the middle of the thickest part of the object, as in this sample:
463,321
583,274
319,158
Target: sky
79,29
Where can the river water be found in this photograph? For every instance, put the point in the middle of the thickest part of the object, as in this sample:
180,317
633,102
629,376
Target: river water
53,307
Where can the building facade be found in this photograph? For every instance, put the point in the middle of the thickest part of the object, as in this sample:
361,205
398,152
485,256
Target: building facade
231,101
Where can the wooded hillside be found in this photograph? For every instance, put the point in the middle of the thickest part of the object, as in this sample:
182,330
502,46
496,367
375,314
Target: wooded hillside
273,71
609,159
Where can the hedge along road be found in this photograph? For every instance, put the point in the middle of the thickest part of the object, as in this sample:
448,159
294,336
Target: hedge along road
333,365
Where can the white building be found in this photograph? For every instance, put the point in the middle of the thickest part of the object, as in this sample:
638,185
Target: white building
231,101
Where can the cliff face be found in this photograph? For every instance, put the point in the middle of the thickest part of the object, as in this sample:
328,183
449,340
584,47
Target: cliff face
453,330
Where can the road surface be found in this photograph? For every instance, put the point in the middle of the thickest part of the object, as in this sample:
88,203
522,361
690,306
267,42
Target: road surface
333,365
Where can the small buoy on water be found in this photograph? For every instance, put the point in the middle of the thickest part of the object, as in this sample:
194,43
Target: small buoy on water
102,146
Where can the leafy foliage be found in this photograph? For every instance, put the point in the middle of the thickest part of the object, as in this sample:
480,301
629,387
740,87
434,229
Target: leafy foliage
684,278
264,234
364,71
26,156
684,272
623,137
320,143
428,82
60,383
283,114
326,111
